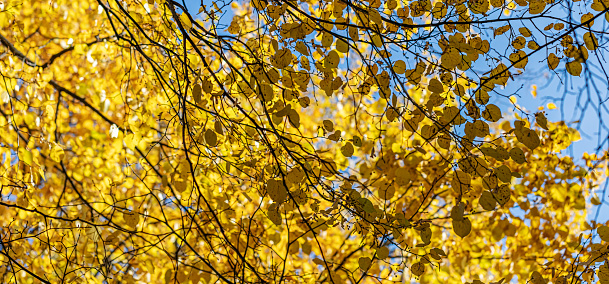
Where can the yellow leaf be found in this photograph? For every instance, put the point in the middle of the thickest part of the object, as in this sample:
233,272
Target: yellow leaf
342,46
211,138
25,156
456,213
332,60
603,273
282,58
402,176
273,214
328,125
603,232
541,120
487,201
377,40
304,101
218,127
497,3
533,45
595,200
451,58
519,59
382,252
461,182
57,153
502,194
327,39
207,86
439,10
492,113
92,233
302,48
590,41
587,19
276,190
357,141
347,150
425,235
364,263
503,173
536,6
501,30
519,42
131,218
399,67
478,6
294,118
186,23
536,278
197,93
462,227
417,268
41,173
435,86
517,155
574,68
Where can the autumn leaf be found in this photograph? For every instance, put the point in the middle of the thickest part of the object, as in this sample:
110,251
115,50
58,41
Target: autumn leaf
288,142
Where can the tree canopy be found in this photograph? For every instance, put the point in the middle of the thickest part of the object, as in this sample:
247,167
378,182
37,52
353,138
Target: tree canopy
316,141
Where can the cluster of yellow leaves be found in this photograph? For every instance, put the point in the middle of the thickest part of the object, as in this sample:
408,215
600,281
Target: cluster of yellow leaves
141,143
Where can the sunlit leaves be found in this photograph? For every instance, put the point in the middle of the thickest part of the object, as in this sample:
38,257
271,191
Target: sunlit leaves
331,140
26,156
57,153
